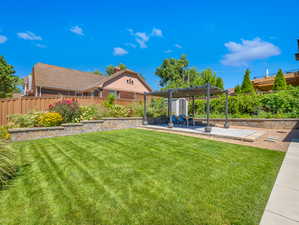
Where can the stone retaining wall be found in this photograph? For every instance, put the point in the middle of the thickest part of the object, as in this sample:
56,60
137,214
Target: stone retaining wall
22,134
258,123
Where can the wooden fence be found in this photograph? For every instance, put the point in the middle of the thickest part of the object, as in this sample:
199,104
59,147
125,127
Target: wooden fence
23,105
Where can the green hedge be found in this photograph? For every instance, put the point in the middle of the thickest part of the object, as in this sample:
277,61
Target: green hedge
282,104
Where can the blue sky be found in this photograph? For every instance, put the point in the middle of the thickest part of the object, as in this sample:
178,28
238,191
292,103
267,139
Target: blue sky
227,36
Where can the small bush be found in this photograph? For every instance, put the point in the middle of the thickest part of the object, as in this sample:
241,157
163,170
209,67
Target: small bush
136,109
68,109
4,135
24,120
118,111
50,119
7,164
92,112
109,101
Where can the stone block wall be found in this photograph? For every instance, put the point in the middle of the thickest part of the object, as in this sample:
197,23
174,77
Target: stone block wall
22,134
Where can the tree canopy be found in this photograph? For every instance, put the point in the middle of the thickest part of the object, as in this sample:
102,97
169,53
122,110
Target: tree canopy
176,73
280,81
8,80
97,72
111,69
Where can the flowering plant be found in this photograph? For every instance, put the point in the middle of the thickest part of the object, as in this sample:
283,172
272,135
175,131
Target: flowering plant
68,109
50,119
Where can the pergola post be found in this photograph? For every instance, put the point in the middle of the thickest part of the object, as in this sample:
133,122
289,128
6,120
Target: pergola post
170,123
226,124
145,111
193,111
208,128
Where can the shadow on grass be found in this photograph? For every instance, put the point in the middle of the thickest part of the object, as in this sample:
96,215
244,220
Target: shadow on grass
19,171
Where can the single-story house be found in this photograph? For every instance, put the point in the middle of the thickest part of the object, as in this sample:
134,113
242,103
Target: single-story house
49,80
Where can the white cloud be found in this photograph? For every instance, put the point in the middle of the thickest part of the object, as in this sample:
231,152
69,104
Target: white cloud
28,35
178,46
77,30
140,37
157,32
119,51
142,44
41,45
3,39
168,51
131,45
248,50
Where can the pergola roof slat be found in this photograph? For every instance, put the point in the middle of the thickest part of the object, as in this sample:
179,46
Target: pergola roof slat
186,92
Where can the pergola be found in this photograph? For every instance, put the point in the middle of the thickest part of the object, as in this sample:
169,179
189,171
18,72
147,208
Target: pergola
190,92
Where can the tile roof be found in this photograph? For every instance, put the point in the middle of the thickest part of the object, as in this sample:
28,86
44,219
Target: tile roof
62,78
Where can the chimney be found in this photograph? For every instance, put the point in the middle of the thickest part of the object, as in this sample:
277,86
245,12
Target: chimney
116,69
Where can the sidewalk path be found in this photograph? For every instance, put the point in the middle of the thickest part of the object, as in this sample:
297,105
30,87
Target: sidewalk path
283,205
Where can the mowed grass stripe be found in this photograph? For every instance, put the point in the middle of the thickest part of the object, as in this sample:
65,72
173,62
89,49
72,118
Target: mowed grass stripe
87,175
76,207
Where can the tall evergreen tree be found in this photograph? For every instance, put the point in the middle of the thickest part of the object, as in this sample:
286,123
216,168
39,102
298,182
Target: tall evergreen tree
8,80
247,86
219,83
280,81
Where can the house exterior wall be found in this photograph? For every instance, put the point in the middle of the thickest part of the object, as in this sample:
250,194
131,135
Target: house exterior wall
128,83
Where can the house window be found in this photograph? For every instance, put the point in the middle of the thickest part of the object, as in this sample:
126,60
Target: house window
130,81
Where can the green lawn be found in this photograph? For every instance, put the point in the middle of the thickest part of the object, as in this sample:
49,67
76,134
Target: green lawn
138,177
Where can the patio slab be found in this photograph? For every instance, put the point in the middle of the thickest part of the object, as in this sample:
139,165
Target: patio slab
232,133
283,205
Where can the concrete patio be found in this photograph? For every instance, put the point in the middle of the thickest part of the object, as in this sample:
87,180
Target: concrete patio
248,135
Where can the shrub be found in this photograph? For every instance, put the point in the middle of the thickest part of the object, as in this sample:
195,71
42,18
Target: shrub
157,107
282,104
118,111
24,120
50,119
68,109
7,164
109,101
136,109
4,134
92,112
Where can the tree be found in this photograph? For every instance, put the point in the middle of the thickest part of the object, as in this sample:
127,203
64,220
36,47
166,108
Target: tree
175,73
238,89
172,72
97,72
111,69
219,83
247,86
8,80
280,81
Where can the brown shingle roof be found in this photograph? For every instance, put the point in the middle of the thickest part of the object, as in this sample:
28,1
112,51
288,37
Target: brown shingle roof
68,79
63,78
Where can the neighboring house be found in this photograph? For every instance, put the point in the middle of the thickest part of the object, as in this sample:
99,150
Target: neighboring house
266,83
48,80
